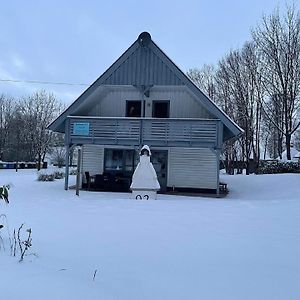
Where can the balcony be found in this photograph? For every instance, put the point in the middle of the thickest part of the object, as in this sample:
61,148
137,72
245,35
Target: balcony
138,131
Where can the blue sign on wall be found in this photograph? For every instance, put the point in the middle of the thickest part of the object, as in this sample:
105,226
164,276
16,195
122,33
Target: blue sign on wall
81,128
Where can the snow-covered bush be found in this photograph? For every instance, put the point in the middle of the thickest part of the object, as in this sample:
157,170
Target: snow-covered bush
50,174
274,166
59,174
45,177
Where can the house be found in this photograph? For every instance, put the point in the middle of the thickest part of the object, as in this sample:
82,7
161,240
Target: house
145,99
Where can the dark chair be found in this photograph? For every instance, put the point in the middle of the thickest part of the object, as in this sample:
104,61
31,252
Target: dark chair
89,180
109,181
99,182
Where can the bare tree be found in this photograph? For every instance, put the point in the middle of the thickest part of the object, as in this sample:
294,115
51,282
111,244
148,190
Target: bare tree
204,78
39,110
278,40
297,140
7,106
273,121
239,88
59,156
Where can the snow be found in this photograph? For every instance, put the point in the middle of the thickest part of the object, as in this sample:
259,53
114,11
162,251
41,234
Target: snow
244,246
295,156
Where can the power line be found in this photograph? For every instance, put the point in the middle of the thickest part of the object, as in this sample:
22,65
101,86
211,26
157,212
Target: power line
43,82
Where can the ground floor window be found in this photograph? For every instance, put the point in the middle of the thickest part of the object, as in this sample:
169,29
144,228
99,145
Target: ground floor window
122,160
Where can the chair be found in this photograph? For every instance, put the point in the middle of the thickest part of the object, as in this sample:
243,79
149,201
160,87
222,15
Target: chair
89,180
109,180
99,182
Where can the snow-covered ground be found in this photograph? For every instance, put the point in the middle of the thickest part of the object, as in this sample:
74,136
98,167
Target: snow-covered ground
244,246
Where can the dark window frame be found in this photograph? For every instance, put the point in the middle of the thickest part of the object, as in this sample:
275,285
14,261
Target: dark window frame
127,113
154,102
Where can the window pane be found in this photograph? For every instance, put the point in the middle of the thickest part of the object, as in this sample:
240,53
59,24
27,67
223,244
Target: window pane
161,109
113,159
133,109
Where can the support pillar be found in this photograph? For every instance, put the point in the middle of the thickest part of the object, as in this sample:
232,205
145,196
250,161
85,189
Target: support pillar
67,167
218,153
78,177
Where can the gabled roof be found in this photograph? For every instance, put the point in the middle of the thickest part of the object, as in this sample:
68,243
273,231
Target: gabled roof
144,64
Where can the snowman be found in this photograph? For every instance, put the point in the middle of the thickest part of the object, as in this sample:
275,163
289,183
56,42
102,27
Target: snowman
144,180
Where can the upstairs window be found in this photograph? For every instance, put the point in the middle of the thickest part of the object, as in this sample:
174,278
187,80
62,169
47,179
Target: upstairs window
161,109
133,109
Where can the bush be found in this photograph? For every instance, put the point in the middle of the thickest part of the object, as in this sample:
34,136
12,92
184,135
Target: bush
50,174
276,167
45,177
58,174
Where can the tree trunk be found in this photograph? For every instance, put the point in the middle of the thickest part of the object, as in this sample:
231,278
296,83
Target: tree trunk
247,167
288,146
39,162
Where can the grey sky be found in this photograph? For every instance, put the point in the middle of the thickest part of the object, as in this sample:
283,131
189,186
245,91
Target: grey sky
76,41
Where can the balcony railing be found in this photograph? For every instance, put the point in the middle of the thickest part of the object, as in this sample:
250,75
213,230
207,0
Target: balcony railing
138,131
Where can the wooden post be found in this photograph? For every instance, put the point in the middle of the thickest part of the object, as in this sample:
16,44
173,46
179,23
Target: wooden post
67,168
67,143
218,154
78,172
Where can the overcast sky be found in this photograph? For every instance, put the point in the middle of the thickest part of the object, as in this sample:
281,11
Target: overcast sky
76,41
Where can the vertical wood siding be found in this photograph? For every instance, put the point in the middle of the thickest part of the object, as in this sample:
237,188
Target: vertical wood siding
192,168
143,67
92,159
182,104
113,104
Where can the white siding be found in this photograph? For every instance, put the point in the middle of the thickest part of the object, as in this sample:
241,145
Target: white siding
113,104
92,159
192,168
182,104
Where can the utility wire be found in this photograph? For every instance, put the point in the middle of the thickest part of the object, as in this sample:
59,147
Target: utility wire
42,82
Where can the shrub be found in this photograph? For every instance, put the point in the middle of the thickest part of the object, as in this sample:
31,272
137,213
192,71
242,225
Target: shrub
58,174
275,167
45,177
50,174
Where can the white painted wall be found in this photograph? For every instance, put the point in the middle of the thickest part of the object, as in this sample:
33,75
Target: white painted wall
192,168
92,159
182,104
